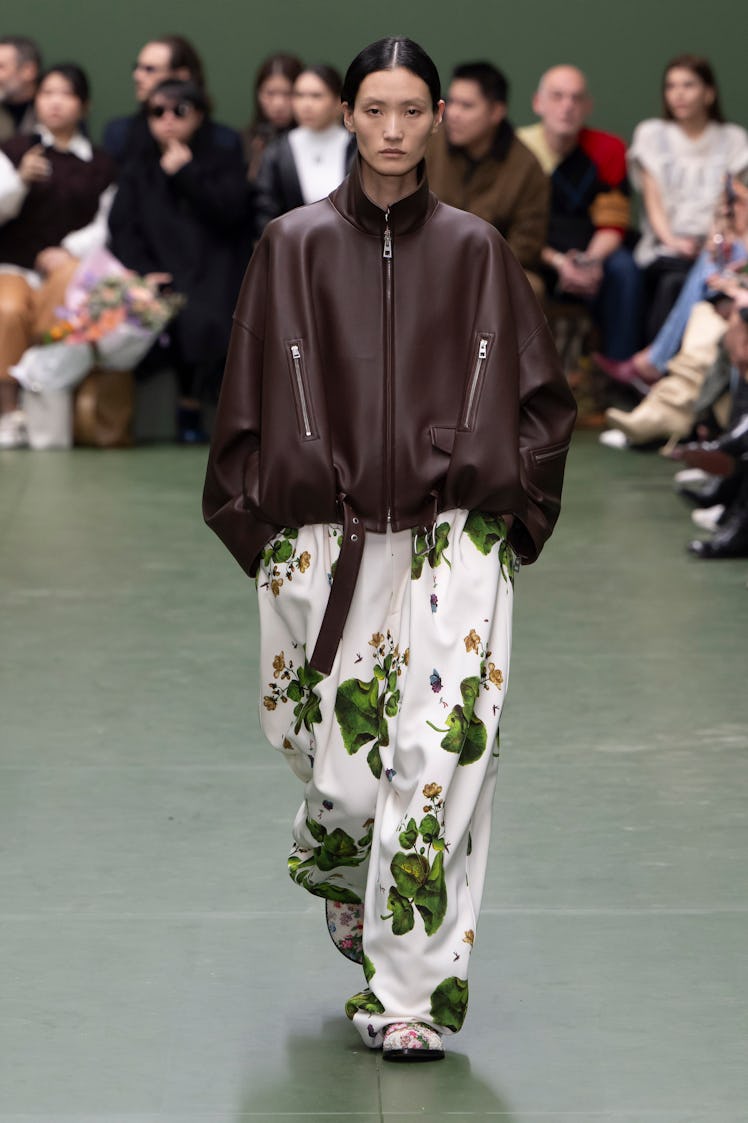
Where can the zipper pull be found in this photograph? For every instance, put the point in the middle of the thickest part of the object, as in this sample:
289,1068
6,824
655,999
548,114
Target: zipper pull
387,254
483,349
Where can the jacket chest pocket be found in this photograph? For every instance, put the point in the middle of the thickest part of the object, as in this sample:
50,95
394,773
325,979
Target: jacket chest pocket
300,386
482,344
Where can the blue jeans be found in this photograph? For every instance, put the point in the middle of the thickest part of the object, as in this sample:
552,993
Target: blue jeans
617,308
667,341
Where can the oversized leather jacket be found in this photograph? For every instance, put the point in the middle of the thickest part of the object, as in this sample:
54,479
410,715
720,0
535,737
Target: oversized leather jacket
384,367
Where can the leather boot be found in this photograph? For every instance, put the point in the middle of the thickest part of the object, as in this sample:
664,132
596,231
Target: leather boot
650,421
731,539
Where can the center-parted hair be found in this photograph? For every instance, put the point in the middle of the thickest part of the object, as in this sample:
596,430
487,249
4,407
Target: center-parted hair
388,54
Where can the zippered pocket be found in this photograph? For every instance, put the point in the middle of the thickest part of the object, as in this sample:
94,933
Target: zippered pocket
481,351
550,452
300,386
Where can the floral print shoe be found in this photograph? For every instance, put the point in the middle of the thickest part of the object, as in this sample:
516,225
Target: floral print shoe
411,1041
345,923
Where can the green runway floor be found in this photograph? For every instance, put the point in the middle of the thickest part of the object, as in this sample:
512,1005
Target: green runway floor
150,974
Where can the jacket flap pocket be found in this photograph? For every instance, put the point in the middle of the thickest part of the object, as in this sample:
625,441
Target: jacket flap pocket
443,438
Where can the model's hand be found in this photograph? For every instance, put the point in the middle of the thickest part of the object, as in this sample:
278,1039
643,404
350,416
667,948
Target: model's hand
34,166
175,157
50,259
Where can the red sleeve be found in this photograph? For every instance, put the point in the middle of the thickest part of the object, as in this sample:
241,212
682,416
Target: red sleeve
608,154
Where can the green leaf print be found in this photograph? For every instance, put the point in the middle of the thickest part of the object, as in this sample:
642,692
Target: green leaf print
449,1003
401,913
316,830
435,553
484,531
356,709
282,551
366,1002
429,828
409,836
409,872
431,898
374,760
369,970
363,709
465,733
301,871
338,849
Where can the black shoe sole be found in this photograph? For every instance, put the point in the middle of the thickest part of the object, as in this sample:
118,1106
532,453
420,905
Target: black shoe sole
413,1055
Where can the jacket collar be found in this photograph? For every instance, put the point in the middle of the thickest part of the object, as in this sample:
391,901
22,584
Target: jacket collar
352,202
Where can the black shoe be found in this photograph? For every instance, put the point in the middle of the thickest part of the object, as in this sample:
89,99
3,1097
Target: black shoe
720,492
728,542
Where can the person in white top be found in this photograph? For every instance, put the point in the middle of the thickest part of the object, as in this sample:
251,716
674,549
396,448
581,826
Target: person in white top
679,162
311,160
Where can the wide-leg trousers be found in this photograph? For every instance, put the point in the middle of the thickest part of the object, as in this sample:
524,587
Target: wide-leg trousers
397,747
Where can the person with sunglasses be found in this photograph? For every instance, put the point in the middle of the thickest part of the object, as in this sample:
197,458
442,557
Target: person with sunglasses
183,211
169,56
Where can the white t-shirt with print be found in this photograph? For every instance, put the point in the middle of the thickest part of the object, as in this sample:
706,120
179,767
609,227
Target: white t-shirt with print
690,173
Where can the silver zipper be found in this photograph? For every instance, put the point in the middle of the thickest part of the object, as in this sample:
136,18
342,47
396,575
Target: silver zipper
482,355
296,356
387,252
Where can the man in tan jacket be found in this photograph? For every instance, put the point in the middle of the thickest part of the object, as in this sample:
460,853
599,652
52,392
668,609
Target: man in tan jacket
476,163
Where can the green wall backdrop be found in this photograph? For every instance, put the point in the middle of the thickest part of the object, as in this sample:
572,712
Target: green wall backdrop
621,44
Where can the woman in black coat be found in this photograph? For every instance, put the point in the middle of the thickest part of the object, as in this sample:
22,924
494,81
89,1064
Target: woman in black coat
182,211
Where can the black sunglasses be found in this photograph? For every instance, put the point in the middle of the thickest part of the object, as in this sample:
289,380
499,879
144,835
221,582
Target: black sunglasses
181,109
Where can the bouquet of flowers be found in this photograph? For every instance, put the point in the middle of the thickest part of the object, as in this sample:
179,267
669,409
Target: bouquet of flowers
111,318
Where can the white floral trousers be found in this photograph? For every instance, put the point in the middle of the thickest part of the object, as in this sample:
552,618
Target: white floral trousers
397,748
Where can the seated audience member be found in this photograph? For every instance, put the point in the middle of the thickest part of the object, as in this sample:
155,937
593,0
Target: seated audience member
727,456
475,162
171,56
55,192
726,249
20,65
182,211
669,409
585,257
273,109
679,162
309,162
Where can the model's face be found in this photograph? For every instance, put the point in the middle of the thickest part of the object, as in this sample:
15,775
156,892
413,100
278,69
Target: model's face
172,121
686,96
562,101
58,107
393,119
275,99
153,65
315,106
470,118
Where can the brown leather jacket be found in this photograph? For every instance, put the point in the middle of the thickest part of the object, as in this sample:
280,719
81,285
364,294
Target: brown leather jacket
384,367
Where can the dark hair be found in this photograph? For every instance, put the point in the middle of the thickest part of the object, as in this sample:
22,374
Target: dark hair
327,74
492,82
387,54
27,50
183,56
181,89
289,66
73,74
702,68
